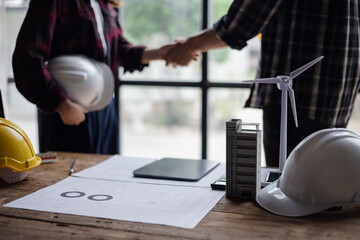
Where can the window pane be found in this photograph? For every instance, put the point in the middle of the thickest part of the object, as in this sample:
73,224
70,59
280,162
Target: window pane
160,122
226,104
230,65
15,14
22,113
19,110
158,22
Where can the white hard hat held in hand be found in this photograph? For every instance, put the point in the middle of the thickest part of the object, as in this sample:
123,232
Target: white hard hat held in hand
86,81
322,172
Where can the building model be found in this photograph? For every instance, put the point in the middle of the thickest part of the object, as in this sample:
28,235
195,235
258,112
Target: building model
243,159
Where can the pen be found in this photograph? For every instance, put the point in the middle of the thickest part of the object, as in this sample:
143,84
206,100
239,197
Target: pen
72,167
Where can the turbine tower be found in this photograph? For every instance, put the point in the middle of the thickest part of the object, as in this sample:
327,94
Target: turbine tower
284,83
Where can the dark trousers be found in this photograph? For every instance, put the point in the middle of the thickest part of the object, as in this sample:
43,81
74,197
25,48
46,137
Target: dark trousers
271,132
99,133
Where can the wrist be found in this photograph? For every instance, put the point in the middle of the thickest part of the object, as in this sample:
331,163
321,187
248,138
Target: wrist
149,55
62,106
192,45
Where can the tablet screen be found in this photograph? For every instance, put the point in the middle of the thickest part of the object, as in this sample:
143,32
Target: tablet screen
176,169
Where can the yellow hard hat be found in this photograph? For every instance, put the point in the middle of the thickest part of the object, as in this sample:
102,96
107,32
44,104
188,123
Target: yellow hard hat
16,151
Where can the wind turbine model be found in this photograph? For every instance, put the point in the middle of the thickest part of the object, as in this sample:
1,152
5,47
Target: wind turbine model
284,83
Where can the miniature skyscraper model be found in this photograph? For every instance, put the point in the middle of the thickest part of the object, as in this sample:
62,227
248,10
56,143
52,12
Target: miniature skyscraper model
243,164
284,83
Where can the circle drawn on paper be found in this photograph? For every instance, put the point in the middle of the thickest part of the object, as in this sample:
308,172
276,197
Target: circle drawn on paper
100,197
72,194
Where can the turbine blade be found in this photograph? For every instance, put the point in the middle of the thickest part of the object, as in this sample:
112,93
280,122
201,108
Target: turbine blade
263,80
293,105
298,71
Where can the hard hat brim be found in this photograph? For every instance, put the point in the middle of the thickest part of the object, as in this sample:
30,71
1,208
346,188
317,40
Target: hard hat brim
20,166
274,200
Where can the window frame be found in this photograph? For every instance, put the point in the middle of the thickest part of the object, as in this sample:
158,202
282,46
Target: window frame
204,85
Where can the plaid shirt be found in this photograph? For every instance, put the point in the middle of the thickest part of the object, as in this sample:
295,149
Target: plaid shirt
57,27
294,33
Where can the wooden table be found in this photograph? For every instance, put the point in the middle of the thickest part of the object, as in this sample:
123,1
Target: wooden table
227,220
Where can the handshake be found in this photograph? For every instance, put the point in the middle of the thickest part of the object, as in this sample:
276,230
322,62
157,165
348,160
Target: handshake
180,53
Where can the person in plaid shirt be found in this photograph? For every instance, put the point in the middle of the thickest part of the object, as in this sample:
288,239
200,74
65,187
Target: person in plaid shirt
84,27
293,34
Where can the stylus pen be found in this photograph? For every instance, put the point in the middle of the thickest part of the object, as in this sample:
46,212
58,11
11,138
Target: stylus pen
72,167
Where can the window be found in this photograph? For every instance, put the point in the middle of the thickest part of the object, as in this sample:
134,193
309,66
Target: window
182,111
19,110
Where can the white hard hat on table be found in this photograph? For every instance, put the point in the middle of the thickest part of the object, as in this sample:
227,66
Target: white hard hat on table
322,172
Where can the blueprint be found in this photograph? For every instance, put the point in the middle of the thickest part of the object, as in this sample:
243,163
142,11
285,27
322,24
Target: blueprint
108,190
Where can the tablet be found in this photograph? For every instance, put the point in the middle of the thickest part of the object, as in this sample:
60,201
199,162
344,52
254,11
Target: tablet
176,169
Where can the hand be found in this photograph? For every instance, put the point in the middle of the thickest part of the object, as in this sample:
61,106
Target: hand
164,50
71,113
156,54
182,54
189,49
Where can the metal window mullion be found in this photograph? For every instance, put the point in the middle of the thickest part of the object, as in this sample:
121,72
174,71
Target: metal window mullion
204,85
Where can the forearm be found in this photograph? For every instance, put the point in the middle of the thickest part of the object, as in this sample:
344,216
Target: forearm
156,54
204,41
150,55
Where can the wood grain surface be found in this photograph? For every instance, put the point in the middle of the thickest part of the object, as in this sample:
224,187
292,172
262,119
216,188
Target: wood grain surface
229,219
